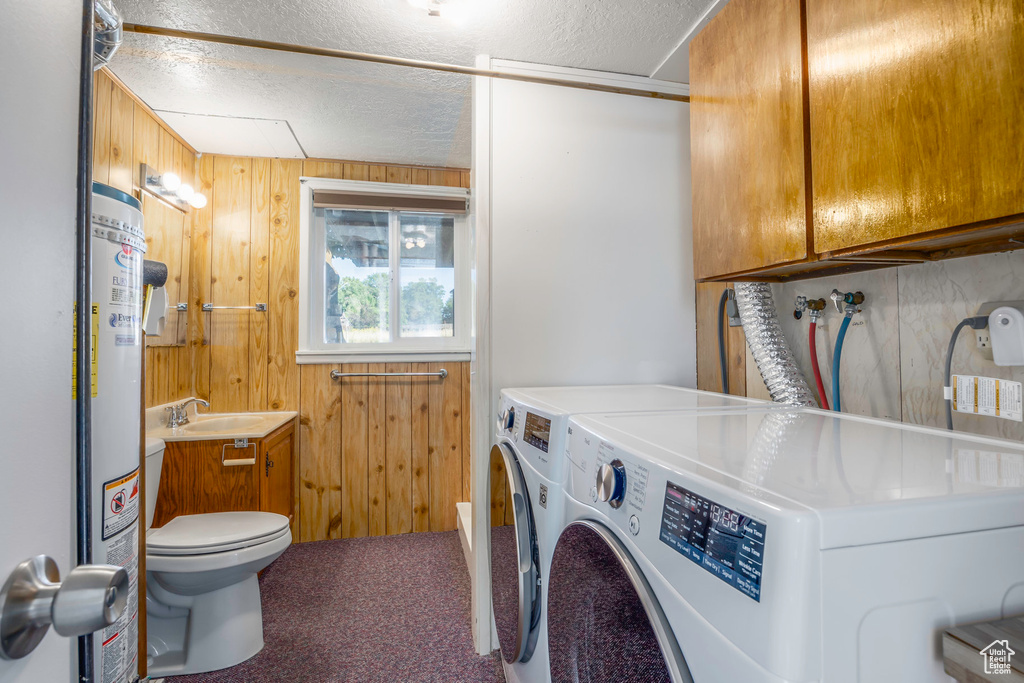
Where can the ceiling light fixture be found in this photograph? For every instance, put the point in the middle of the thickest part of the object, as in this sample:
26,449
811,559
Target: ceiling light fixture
168,188
455,11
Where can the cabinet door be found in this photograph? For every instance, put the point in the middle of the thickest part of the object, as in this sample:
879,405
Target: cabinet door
276,470
747,138
915,116
194,480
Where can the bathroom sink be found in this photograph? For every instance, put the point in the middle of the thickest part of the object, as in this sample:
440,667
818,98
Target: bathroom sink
215,426
228,423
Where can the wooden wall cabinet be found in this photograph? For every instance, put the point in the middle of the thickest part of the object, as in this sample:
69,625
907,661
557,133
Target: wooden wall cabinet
747,141
194,480
837,135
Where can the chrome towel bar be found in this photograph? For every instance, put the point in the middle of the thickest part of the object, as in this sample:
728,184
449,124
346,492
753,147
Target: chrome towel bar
257,307
442,373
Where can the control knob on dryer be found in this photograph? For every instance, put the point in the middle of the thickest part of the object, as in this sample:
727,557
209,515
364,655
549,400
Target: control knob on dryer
611,483
507,419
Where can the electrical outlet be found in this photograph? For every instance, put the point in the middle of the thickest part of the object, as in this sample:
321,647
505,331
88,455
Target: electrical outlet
732,311
983,337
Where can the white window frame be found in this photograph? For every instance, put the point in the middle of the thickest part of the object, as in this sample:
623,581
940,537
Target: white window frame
312,242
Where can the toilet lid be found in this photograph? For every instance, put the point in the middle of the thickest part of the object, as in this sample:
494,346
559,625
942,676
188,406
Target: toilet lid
215,532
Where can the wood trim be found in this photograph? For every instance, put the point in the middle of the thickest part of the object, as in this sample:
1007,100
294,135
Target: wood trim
149,110
398,61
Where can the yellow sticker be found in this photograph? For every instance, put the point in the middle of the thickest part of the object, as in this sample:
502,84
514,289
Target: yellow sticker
94,360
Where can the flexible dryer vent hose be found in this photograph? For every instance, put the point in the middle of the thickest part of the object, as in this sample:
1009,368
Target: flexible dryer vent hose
768,345
107,32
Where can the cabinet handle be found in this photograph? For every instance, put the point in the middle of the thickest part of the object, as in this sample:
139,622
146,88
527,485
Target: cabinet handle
237,462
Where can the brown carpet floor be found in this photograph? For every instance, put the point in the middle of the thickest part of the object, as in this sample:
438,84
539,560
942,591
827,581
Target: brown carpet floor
392,609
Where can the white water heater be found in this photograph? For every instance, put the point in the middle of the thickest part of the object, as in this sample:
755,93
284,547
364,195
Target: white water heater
118,244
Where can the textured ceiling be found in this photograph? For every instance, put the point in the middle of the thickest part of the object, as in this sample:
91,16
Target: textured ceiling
349,110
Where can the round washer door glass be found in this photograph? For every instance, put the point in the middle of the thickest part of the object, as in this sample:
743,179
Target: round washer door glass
604,624
513,557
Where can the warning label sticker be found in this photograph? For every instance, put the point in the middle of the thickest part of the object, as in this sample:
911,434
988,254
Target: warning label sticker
120,504
120,644
987,396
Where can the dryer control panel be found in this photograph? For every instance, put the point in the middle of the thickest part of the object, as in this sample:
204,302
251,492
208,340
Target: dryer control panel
722,541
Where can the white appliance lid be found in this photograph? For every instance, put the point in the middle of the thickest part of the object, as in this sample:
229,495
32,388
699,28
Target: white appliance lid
632,397
154,445
214,530
868,480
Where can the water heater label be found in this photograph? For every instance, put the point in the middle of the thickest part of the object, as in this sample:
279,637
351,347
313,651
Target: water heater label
120,504
93,356
124,280
119,648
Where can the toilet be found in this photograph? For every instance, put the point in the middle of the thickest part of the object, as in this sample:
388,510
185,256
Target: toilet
203,610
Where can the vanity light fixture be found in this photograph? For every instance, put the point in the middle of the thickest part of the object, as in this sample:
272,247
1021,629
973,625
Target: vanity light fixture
168,188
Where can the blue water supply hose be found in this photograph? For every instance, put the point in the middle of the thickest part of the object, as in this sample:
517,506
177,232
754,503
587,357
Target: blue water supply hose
836,357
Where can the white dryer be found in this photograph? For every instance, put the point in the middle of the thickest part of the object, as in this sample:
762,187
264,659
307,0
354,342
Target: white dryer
778,546
527,512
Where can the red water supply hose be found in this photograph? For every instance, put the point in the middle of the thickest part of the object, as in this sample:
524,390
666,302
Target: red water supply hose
812,343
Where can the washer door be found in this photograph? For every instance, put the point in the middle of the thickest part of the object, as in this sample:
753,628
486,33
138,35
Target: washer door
604,622
514,575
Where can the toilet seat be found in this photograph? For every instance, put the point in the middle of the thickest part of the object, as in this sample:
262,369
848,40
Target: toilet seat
217,532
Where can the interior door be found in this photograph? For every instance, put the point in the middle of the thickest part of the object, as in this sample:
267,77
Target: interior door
604,622
514,573
38,144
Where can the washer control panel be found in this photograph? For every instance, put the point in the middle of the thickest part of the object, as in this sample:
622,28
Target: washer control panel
722,541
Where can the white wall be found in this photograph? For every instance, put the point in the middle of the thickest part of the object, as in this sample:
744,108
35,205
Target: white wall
584,246
591,249
38,144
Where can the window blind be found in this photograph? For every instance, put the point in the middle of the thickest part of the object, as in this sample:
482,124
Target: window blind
345,199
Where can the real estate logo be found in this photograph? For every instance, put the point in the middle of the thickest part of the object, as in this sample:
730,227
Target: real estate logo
997,656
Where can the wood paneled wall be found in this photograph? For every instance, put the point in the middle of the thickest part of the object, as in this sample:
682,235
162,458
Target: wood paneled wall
709,373
377,456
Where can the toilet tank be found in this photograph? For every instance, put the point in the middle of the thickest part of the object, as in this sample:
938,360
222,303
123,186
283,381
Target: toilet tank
154,464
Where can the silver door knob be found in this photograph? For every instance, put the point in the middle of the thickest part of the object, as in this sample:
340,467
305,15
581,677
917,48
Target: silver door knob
92,597
611,483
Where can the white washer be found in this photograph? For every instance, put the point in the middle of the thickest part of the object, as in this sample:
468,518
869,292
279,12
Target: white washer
794,545
529,443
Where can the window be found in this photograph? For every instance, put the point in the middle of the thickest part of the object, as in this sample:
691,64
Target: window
385,269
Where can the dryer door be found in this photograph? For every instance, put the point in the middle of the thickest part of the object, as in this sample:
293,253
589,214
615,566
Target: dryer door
604,622
514,574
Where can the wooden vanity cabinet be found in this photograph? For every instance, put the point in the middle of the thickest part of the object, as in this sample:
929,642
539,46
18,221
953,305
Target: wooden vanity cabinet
836,135
200,477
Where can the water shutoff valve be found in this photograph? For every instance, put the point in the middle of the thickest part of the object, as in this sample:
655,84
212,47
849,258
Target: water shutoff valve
852,301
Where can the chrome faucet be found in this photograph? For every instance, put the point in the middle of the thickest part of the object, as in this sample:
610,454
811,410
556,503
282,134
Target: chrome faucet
179,412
